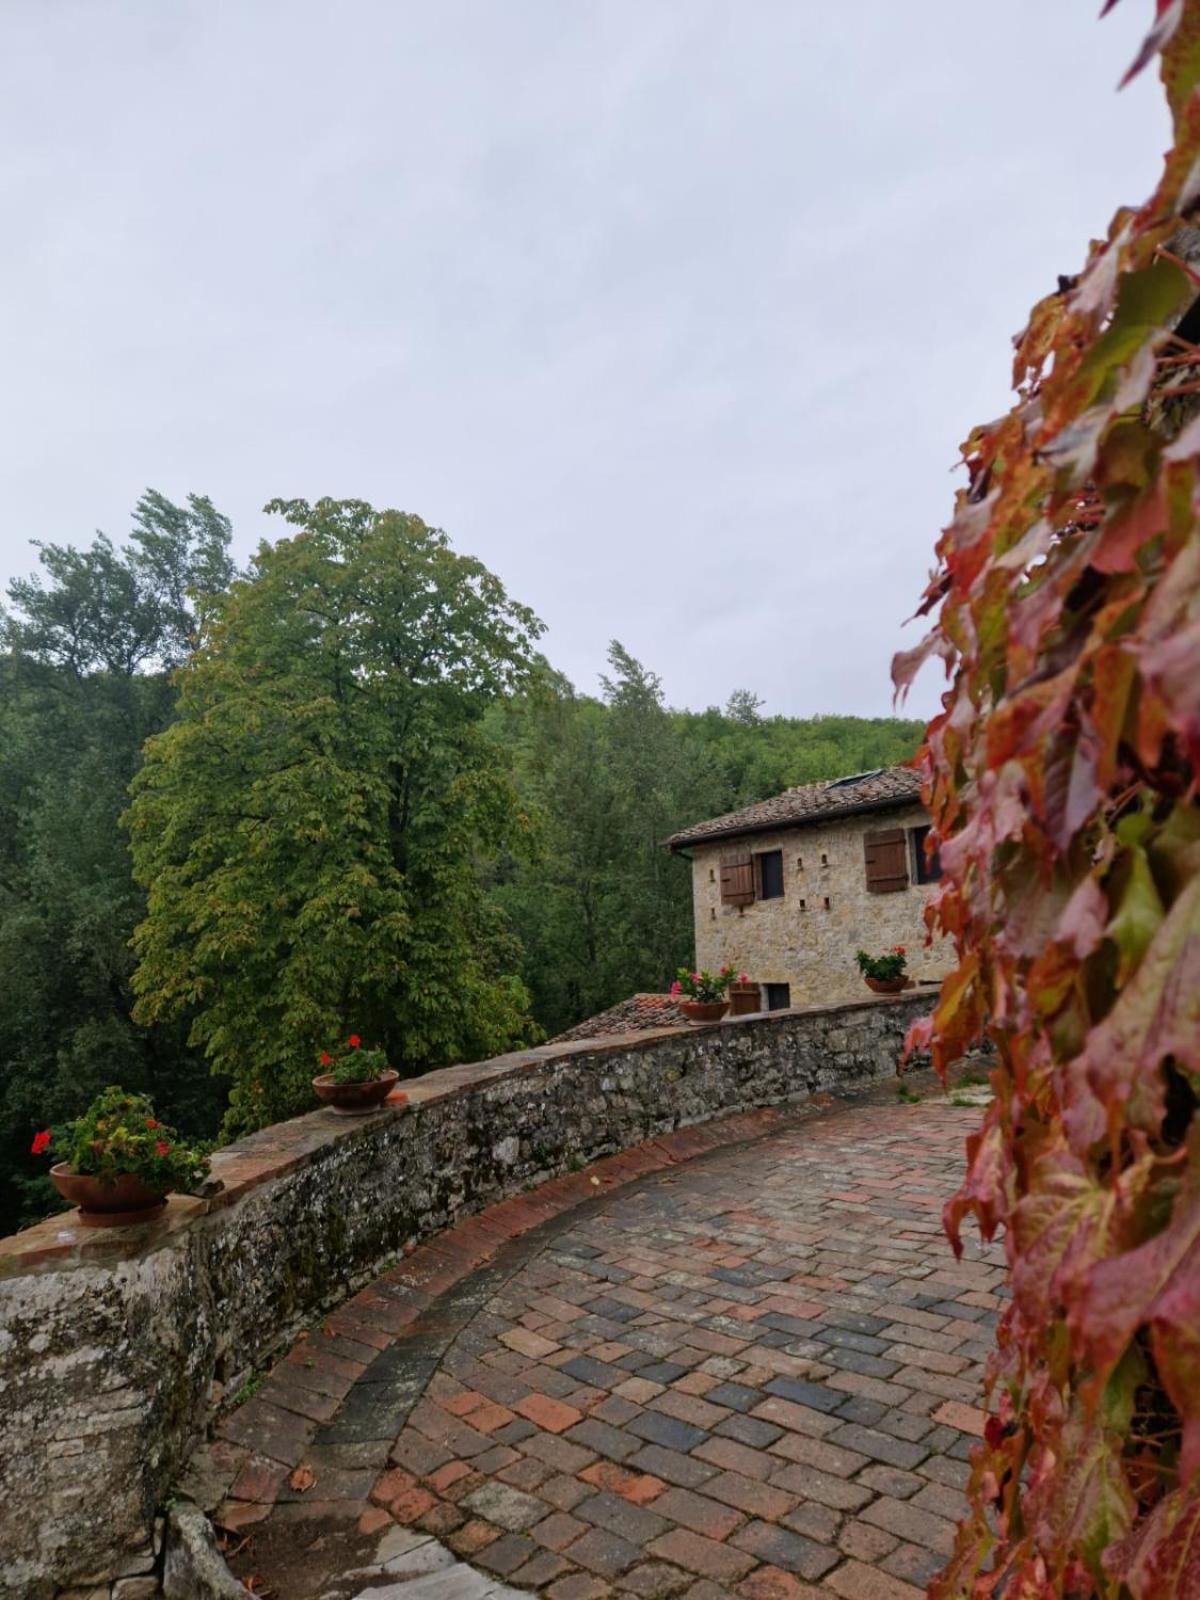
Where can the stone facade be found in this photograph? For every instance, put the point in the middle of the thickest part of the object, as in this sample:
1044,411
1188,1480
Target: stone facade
808,936
118,1348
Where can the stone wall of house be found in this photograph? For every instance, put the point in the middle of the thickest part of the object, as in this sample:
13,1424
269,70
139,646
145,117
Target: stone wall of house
117,1348
807,938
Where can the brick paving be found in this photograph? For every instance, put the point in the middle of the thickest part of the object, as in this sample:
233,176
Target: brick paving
753,1374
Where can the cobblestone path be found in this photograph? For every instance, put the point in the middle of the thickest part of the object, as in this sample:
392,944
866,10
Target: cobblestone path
753,1374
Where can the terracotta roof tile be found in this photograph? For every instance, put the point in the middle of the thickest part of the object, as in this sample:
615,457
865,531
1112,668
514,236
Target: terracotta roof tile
809,803
635,1015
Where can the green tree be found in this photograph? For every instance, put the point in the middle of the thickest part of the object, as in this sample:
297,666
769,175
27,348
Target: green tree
744,706
82,684
601,909
560,894
659,783
310,829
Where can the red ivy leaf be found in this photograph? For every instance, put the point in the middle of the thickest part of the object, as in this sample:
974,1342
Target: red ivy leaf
984,1190
1160,1559
1156,1284
1117,1076
1086,1504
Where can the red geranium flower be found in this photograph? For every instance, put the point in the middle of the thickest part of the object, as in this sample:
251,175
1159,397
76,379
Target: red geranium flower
161,1147
41,1141
354,1041
151,1123
326,1058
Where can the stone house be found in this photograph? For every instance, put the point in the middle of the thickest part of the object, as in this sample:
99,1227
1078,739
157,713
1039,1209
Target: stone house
787,890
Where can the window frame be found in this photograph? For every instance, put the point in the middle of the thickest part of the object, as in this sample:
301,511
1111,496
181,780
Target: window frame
760,856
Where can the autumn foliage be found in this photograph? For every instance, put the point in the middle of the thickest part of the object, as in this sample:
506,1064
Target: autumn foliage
1062,779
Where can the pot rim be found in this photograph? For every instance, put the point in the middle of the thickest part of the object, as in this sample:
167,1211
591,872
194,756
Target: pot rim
64,1169
326,1080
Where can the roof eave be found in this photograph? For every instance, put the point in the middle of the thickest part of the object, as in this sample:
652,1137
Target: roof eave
680,842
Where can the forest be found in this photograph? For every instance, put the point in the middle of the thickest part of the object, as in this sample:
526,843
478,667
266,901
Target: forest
243,811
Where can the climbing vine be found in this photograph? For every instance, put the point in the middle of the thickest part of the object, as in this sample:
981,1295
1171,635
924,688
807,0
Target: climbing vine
1062,777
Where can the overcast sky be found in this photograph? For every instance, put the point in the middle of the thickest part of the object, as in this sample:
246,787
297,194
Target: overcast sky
672,311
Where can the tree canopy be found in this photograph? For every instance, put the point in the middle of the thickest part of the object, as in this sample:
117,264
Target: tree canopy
82,686
308,826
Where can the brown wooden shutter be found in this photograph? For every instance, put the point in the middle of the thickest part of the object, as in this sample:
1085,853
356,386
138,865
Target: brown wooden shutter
886,851
737,878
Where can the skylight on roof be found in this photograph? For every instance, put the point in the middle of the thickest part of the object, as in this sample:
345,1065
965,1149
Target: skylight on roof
854,778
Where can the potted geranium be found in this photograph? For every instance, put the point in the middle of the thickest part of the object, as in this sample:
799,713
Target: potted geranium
119,1162
705,993
745,998
884,974
355,1080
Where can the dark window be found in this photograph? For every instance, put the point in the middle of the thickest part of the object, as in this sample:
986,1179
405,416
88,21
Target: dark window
779,996
769,874
926,868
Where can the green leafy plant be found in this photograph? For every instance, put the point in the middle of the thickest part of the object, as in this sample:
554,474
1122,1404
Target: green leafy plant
311,827
351,1063
119,1133
884,967
707,987
1062,778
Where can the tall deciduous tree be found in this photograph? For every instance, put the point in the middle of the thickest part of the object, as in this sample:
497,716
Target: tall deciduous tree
310,828
82,684
656,776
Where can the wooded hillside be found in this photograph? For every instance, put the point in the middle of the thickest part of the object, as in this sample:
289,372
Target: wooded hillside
368,802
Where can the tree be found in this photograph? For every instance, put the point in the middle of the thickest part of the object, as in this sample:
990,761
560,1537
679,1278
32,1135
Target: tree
1063,779
744,706
122,612
559,893
310,828
657,781
81,687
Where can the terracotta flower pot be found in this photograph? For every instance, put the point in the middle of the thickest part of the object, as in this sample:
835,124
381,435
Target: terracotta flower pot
744,999
888,985
703,1010
117,1202
355,1099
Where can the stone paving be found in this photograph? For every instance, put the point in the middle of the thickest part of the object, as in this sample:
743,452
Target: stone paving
751,1374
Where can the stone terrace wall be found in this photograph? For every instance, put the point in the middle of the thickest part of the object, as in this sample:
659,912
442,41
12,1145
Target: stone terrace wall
117,1348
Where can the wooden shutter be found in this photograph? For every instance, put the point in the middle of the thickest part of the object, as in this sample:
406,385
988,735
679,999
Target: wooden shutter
737,878
886,851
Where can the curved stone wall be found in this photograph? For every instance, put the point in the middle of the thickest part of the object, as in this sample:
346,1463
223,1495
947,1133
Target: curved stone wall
117,1348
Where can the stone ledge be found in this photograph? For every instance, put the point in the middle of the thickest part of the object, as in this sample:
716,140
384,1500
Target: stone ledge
58,1242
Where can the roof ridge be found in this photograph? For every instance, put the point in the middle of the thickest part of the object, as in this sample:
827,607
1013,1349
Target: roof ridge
876,789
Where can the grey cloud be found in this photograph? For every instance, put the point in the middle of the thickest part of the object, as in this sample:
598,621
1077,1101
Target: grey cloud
672,311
